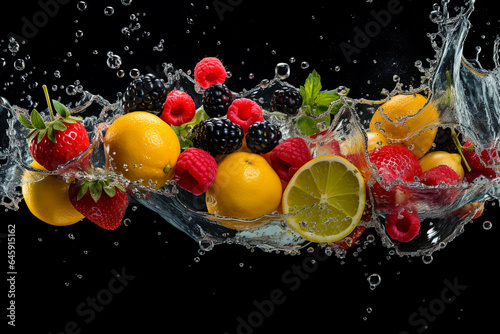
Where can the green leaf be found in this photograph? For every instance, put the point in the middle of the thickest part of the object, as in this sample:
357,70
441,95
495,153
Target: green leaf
61,109
307,125
83,190
59,125
25,121
37,120
51,134
95,188
326,97
110,190
41,134
311,88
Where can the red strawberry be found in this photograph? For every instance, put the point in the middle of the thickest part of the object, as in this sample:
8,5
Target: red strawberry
289,156
179,108
441,173
100,202
55,143
481,163
393,162
209,71
402,226
245,112
195,170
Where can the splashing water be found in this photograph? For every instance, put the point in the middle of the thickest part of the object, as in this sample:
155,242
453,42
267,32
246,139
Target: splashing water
465,95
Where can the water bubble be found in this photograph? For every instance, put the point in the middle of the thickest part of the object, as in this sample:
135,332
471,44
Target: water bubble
71,236
292,60
264,83
427,258
81,5
126,2
79,33
487,225
71,90
374,280
19,64
206,244
134,73
282,71
57,74
127,221
304,65
108,11
337,68
436,16
114,61
3,62
120,73
13,45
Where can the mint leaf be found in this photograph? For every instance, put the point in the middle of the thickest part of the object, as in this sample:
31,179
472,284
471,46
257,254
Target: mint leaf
183,131
326,97
307,125
311,88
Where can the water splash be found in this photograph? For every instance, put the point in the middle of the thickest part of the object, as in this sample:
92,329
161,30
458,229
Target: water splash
465,95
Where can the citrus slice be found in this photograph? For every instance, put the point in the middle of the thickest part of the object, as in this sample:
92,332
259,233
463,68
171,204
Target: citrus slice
326,199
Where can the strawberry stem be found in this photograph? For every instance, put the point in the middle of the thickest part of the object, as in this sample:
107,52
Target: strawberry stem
454,137
46,92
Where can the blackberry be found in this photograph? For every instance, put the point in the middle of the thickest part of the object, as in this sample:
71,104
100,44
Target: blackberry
286,100
216,100
146,93
262,137
218,136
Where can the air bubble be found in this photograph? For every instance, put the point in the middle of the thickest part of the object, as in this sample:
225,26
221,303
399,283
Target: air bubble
126,2
282,71
487,225
374,280
427,258
114,61
304,65
79,33
134,73
19,64
81,5
108,11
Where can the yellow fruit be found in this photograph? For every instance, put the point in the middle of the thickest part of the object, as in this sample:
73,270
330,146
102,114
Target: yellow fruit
141,146
376,140
245,187
327,197
399,118
436,158
47,198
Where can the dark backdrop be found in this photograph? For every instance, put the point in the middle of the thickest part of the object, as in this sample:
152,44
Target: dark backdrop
166,285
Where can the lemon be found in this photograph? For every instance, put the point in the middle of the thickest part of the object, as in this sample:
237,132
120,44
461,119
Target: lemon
245,187
326,197
142,147
436,158
376,140
401,120
47,198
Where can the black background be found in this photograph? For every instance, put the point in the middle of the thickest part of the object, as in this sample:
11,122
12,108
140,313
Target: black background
171,286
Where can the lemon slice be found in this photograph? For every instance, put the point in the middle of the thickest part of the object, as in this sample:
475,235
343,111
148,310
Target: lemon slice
326,198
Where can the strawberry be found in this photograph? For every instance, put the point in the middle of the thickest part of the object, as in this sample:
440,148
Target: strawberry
52,144
394,162
100,202
441,173
481,162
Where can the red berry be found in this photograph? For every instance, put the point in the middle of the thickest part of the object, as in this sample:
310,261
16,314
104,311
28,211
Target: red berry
209,71
245,112
99,203
402,226
324,146
481,163
289,156
68,145
195,170
179,108
441,173
393,162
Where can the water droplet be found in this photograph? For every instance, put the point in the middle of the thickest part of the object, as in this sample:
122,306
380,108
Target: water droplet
79,33
282,71
374,280
292,60
13,45
134,73
369,310
108,11
304,65
120,73
71,236
71,90
114,61
126,2
206,244
264,83
487,225
126,221
57,74
81,5
19,64
337,68
427,258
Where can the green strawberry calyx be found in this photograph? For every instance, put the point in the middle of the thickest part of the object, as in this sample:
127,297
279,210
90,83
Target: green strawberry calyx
40,127
96,188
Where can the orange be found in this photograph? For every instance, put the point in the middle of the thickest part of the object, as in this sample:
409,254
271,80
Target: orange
375,140
245,187
402,120
47,198
436,158
143,148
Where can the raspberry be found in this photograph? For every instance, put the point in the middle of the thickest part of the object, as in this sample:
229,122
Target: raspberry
195,170
481,161
262,137
179,108
216,100
218,136
289,156
209,71
146,93
245,112
286,100
402,226
438,174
